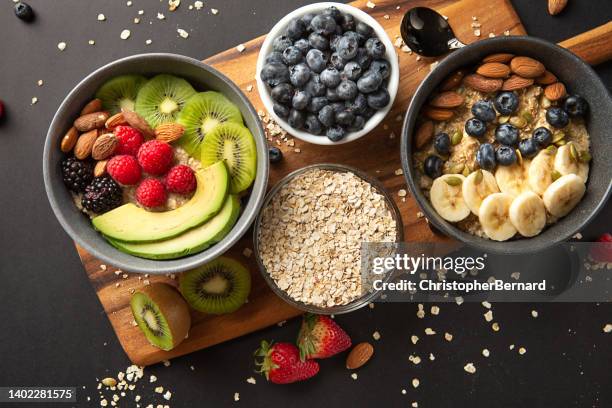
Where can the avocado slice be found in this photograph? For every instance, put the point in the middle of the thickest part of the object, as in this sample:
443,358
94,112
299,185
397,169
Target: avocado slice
130,223
189,242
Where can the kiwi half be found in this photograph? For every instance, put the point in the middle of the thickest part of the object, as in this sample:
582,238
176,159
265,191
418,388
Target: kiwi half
202,113
161,99
218,287
162,315
119,93
235,144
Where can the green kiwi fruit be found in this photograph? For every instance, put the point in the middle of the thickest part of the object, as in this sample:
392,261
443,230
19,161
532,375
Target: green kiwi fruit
202,113
218,287
235,144
161,99
119,93
162,315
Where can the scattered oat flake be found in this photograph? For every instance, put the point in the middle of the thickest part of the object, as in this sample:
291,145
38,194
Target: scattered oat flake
160,16
136,20
167,395
470,368
486,304
511,347
129,4
182,33
488,316
485,352
522,350
173,4
414,404
435,310
371,4
477,32
448,337
429,331
101,17
247,252
402,193
534,314
607,328
354,376
249,88
415,382
214,11
376,335
459,300
251,380
495,326
414,339
241,48
432,357
148,42
61,46
399,172
166,363
34,100
515,275
39,82
91,42
198,5
140,12
236,396
125,34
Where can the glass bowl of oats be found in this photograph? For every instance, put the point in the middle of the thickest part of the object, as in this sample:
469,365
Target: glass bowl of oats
309,234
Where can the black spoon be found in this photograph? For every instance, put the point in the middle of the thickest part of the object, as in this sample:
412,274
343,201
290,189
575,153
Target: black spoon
427,33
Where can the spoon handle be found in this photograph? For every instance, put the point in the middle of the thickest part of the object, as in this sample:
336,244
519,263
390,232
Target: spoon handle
593,46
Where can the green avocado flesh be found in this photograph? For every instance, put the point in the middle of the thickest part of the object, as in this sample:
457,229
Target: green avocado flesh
189,242
130,223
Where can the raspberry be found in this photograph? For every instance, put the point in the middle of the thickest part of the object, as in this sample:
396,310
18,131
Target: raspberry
151,193
124,169
155,157
129,140
601,251
180,179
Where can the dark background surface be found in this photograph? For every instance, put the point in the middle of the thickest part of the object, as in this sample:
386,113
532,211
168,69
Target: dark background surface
53,330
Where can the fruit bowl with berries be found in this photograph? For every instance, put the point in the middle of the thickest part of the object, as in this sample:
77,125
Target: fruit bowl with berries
327,73
156,171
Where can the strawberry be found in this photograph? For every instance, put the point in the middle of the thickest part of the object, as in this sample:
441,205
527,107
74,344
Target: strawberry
321,337
602,250
281,363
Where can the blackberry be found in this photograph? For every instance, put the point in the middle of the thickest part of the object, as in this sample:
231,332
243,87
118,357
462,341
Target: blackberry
102,195
76,174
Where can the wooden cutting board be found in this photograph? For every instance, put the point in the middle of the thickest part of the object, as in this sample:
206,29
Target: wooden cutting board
377,154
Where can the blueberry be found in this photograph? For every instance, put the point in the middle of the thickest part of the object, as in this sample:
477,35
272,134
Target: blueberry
379,99
347,90
347,47
337,107
433,166
442,143
542,136
307,19
486,156
280,43
369,82
330,77
347,22
315,87
296,29
316,60
318,41
345,118
506,103
557,117
336,61
327,116
358,105
358,124
282,93
24,12
332,95
352,71
323,24
281,110
369,112
382,67
364,29
275,56
274,73
302,44
317,103
484,110
335,133
576,105
475,127
275,154
292,55
375,48
507,134
333,12
352,34
300,100
333,41
313,125
296,119
299,74
528,147
364,59
505,155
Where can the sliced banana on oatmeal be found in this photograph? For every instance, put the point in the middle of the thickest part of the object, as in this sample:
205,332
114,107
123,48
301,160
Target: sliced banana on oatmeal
494,216
540,173
563,194
513,179
447,198
567,161
476,187
528,214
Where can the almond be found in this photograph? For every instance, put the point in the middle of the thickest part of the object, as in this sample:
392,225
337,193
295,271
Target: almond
447,99
556,6
84,144
555,91
453,81
91,121
546,78
438,114
494,70
69,140
482,84
95,105
359,355
423,134
527,67
100,168
500,57
104,146
138,122
169,132
116,120
516,82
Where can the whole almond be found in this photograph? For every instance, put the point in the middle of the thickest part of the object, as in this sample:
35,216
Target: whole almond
69,140
139,123
91,121
482,84
516,82
556,6
499,57
169,132
84,144
438,114
423,134
448,99
100,168
116,120
95,105
555,91
546,78
527,67
359,355
453,81
494,70
104,146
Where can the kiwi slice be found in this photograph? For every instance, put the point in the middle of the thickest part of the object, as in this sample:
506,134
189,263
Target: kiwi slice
235,144
119,93
162,315
218,287
202,113
161,99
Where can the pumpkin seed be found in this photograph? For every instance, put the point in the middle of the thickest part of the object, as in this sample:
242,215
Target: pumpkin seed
555,175
503,119
478,177
466,171
457,136
558,135
560,142
519,122
527,116
453,181
574,152
551,149
455,168
519,157
585,156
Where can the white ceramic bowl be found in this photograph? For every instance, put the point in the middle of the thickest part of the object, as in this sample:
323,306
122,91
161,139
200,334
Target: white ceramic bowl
277,31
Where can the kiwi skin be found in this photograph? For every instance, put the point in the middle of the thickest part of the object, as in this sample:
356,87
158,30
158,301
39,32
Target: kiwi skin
173,308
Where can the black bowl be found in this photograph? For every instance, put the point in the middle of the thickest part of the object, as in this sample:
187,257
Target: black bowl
579,79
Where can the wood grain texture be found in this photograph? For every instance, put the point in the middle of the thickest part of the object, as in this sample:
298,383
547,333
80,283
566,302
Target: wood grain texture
377,154
594,46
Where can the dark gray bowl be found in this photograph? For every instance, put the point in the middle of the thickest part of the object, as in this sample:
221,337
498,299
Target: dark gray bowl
78,226
579,78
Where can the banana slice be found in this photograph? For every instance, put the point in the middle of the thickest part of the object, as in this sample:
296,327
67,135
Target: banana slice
513,179
566,163
476,187
540,171
494,216
563,195
447,198
528,214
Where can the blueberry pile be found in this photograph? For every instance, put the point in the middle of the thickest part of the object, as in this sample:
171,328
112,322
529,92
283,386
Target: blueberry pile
327,74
